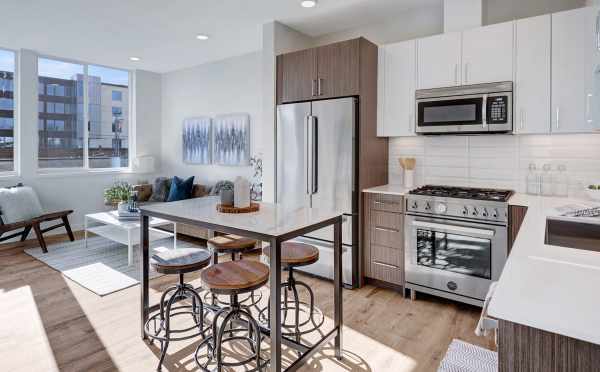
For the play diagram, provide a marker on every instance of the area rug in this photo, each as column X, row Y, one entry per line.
column 102, row 266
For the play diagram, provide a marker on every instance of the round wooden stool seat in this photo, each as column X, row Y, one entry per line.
column 231, row 243
column 234, row 277
column 296, row 254
column 180, row 260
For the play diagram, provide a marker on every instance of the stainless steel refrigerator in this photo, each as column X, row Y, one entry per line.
column 316, row 167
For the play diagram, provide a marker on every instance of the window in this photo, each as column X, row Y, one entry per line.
column 7, row 106
column 64, row 106
column 117, row 95
column 109, row 125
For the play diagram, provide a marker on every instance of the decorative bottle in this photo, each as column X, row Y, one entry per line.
column 561, row 182
column 547, row 180
column 533, row 180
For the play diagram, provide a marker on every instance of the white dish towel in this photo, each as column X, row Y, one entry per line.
column 486, row 324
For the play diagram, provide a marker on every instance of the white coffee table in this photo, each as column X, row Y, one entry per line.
column 126, row 232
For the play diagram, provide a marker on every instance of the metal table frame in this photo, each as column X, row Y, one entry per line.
column 274, row 330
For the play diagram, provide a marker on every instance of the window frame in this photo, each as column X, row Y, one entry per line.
column 86, row 119
column 16, row 172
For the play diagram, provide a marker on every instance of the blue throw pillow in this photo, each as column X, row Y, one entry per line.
column 180, row 189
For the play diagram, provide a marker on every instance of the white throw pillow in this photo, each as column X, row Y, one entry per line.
column 19, row 204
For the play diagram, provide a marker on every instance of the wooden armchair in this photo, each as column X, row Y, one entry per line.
column 35, row 224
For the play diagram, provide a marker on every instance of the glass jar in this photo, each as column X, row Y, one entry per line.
column 547, row 186
column 561, row 181
column 533, row 180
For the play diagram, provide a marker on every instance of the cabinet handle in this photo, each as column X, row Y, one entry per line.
column 558, row 118
column 386, row 229
column 313, row 89
column 456, row 74
column 320, row 87
column 386, row 203
column 522, row 125
column 598, row 31
column 385, row 265
column 587, row 108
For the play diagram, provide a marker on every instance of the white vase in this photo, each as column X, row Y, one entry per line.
column 241, row 193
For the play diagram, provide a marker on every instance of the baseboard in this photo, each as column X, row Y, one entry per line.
column 382, row 284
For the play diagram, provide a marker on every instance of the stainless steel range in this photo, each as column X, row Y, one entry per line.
column 456, row 241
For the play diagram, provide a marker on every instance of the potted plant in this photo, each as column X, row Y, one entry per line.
column 120, row 191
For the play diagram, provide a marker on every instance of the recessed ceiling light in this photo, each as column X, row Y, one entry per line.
column 308, row 3
column 134, row 59
column 202, row 37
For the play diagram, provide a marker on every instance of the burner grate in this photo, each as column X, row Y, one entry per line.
column 463, row 193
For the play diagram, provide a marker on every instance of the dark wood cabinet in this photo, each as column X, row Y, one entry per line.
column 384, row 239
column 516, row 215
column 337, row 69
column 329, row 71
column 297, row 74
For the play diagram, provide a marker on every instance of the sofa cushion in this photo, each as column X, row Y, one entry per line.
column 144, row 192
column 160, row 189
column 19, row 204
column 180, row 189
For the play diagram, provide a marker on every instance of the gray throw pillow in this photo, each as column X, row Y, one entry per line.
column 19, row 204
column 160, row 189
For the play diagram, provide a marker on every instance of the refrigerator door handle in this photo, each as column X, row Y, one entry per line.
column 315, row 154
column 307, row 153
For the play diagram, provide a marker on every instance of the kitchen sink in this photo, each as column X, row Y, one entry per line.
column 573, row 234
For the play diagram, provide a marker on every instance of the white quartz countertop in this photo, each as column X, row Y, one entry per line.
column 388, row 189
column 271, row 220
column 549, row 287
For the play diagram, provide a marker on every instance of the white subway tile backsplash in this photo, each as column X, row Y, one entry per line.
column 500, row 161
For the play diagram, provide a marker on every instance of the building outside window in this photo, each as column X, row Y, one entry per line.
column 117, row 95
column 7, row 105
column 62, row 118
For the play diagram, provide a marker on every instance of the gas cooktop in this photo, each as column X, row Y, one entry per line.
column 463, row 193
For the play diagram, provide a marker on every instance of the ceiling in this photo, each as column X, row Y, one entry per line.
column 162, row 33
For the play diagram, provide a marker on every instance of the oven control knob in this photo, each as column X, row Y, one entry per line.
column 427, row 206
column 495, row 213
column 415, row 205
column 485, row 212
column 465, row 211
column 441, row 208
column 475, row 211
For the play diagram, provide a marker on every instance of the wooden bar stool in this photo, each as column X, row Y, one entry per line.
column 233, row 278
column 236, row 246
column 158, row 327
column 293, row 255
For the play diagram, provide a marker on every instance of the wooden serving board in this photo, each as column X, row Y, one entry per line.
column 254, row 207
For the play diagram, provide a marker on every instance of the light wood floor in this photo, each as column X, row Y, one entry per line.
column 49, row 323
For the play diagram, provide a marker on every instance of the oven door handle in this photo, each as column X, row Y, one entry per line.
column 460, row 229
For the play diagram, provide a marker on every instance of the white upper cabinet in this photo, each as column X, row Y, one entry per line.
column 439, row 61
column 487, row 54
column 532, row 81
column 396, row 103
column 570, row 39
column 592, row 68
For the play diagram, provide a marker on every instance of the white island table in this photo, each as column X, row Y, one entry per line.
column 273, row 223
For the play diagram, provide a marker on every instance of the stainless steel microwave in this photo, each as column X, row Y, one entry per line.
column 480, row 108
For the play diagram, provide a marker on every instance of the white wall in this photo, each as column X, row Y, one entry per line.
column 233, row 85
column 462, row 14
column 407, row 25
column 277, row 39
column 496, row 11
column 496, row 160
column 81, row 192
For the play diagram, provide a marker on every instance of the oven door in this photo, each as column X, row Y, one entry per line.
column 456, row 114
column 454, row 256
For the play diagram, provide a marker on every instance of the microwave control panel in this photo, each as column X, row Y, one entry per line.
column 497, row 110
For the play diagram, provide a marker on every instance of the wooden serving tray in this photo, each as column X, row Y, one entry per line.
column 254, row 207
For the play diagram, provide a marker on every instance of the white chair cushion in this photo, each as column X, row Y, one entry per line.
column 19, row 204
